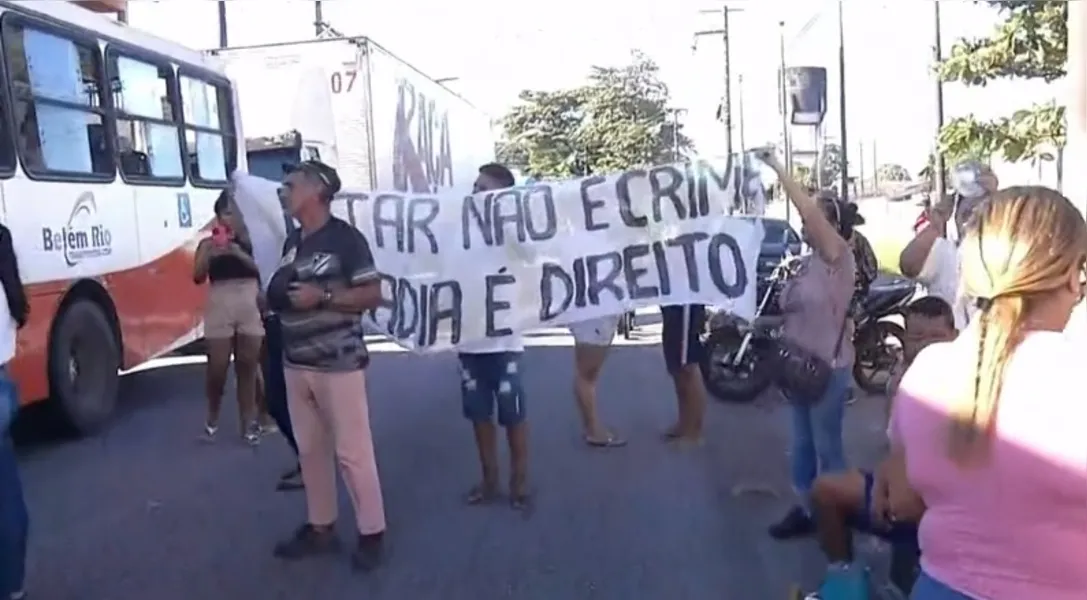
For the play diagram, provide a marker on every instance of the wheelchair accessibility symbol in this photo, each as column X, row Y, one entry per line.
column 184, row 211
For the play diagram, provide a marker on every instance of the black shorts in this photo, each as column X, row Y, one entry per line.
column 681, row 335
column 899, row 533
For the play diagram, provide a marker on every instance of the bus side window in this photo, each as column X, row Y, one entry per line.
column 148, row 135
column 59, row 114
column 210, row 143
column 7, row 142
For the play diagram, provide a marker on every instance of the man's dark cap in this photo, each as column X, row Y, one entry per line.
column 326, row 174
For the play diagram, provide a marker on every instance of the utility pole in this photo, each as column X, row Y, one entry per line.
column 725, row 110
column 783, row 93
column 938, row 167
column 875, row 166
column 318, row 18
column 740, row 107
column 860, row 160
column 222, row 24
column 844, row 192
column 727, row 102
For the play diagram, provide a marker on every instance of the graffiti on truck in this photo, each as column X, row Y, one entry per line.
column 422, row 152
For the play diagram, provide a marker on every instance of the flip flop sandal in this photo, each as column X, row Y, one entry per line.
column 611, row 441
column 523, row 503
column 669, row 435
column 480, row 494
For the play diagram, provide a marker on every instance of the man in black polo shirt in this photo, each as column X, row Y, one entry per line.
column 325, row 281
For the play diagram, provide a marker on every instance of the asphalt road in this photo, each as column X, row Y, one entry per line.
column 144, row 511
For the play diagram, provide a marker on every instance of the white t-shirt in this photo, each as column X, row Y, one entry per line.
column 940, row 276
column 8, row 328
column 510, row 343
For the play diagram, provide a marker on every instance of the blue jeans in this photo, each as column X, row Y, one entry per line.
column 275, row 385
column 14, row 522
column 817, row 433
column 490, row 381
column 928, row 588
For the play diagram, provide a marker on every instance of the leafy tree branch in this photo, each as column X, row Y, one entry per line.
column 617, row 120
column 1030, row 43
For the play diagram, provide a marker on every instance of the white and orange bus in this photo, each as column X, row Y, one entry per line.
column 114, row 145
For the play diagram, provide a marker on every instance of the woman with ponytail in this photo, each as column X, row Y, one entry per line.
column 988, row 430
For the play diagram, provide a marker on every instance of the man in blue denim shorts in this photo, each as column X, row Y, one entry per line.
column 14, row 521
column 490, row 384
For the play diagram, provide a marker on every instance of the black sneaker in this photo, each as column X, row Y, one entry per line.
column 308, row 541
column 796, row 523
column 290, row 480
column 369, row 553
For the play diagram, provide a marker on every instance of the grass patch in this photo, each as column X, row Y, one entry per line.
column 887, row 246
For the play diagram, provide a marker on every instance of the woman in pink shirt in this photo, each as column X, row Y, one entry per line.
column 990, row 427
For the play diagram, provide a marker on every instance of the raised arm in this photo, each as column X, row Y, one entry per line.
column 913, row 257
column 822, row 235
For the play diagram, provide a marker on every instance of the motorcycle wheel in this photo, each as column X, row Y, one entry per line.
column 878, row 347
column 729, row 383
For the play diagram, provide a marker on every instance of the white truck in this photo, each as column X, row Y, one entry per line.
column 381, row 122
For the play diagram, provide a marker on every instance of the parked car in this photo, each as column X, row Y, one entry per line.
column 779, row 241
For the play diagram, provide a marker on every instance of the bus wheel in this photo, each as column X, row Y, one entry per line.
column 84, row 358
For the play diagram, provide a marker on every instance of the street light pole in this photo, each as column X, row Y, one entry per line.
column 844, row 192
column 938, row 167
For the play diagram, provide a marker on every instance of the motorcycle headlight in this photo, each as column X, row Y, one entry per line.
column 723, row 318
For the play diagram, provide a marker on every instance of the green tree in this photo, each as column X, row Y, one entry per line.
column 802, row 174
column 619, row 119
column 1030, row 43
column 830, row 165
column 892, row 172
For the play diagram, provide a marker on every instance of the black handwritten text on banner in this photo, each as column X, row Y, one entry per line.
column 458, row 269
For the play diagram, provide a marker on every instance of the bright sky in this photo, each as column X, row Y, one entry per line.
column 498, row 47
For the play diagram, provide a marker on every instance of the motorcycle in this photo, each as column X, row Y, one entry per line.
column 736, row 368
column 878, row 341
column 627, row 324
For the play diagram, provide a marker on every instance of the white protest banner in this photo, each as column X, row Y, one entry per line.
column 459, row 269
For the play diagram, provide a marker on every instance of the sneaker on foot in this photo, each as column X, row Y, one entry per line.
column 308, row 541
column 209, row 432
column 796, row 523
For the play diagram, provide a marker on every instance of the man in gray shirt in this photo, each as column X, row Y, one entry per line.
column 325, row 281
